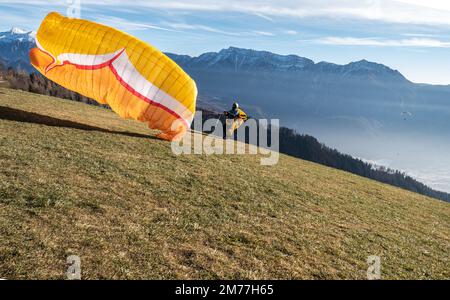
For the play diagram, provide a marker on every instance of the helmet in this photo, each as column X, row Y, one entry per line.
column 235, row 105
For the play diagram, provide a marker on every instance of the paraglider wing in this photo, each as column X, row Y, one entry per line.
column 135, row 79
column 406, row 114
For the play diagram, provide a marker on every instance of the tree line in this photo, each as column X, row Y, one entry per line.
column 36, row 83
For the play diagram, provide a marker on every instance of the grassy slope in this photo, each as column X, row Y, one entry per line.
column 131, row 209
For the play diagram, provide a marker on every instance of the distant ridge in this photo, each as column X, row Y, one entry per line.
column 240, row 59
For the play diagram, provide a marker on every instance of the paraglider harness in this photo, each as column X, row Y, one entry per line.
column 236, row 114
column 226, row 117
column 233, row 120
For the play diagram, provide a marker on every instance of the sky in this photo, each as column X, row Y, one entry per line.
column 412, row 36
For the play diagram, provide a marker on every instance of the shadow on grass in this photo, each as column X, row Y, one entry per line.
column 12, row 114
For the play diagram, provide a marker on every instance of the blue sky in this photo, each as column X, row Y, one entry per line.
column 407, row 35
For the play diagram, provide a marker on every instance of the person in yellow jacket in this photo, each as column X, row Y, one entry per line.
column 235, row 118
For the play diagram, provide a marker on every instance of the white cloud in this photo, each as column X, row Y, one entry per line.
column 412, row 42
column 184, row 26
column 127, row 25
column 434, row 4
column 426, row 35
column 264, row 17
column 263, row 33
column 431, row 12
column 290, row 32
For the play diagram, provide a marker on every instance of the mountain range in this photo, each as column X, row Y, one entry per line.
column 362, row 108
column 247, row 60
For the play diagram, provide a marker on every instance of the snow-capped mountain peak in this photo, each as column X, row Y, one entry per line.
column 17, row 30
column 17, row 34
column 363, row 67
column 246, row 59
column 15, row 46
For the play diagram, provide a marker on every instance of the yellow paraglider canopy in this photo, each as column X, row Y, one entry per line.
column 135, row 79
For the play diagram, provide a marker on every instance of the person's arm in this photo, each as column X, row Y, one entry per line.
column 242, row 115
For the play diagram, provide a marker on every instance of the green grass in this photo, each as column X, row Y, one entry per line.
column 102, row 188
